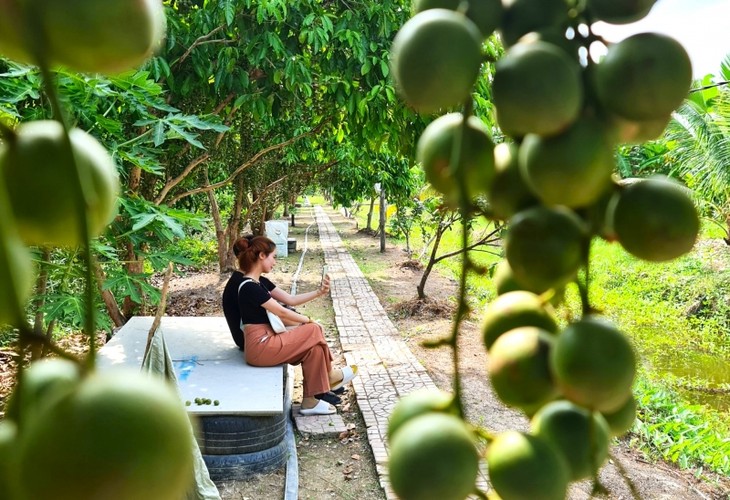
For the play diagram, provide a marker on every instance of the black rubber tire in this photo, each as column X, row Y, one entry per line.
column 245, row 466
column 235, row 435
column 241, row 434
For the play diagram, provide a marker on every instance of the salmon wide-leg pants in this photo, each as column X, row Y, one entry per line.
column 303, row 345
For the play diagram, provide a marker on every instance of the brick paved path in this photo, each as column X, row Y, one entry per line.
column 388, row 369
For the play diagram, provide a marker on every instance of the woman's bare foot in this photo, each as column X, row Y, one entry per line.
column 341, row 376
column 336, row 376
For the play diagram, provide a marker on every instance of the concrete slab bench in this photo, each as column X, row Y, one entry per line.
column 207, row 365
column 246, row 429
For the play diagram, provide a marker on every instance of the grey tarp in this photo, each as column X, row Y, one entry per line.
column 158, row 361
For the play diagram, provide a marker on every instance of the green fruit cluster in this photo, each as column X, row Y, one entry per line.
column 433, row 453
column 69, row 435
column 49, row 176
column 551, row 181
column 118, row 436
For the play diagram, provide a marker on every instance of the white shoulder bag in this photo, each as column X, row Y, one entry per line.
column 276, row 323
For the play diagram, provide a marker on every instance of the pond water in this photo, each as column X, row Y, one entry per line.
column 710, row 372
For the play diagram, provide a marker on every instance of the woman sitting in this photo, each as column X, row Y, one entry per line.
column 303, row 344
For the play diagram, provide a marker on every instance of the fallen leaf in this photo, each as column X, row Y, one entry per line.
column 355, row 456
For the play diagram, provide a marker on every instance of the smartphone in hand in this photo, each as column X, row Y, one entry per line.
column 324, row 273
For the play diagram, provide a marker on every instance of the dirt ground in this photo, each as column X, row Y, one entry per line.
column 342, row 467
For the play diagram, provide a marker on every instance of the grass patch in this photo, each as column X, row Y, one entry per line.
column 669, row 428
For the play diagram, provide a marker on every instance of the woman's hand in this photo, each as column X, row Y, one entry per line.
column 324, row 288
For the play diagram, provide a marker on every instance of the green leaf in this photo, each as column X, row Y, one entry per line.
column 143, row 220
column 189, row 137
column 158, row 134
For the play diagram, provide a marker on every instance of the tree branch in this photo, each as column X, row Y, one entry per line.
column 251, row 162
column 270, row 186
column 171, row 183
column 201, row 40
column 482, row 241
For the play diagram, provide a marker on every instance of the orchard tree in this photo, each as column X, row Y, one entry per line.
column 697, row 144
column 304, row 86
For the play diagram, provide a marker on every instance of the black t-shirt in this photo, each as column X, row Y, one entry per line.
column 252, row 295
column 230, row 307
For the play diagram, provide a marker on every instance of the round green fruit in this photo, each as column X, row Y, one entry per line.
column 619, row 11
column 84, row 35
column 545, row 246
column 433, row 457
column 593, row 364
column 42, row 384
column 579, row 435
column 638, row 131
column 525, row 466
column 119, row 436
column 40, row 177
column 508, row 192
column 571, row 169
column 519, row 368
column 505, row 282
column 643, row 77
column 621, row 420
column 435, row 151
column 655, row 219
column 524, row 16
column 486, row 14
column 513, row 310
column 435, row 59
column 419, row 402
column 537, row 89
column 102, row 37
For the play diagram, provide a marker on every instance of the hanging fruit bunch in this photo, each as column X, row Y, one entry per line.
column 563, row 112
column 70, row 432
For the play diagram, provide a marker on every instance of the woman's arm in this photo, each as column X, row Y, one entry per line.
column 288, row 316
column 300, row 298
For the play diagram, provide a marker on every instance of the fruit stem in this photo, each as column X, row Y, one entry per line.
column 80, row 198
column 39, row 53
column 464, row 209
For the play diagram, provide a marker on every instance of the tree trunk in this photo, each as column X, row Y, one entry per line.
column 233, row 230
column 381, row 225
column 421, row 288
column 135, row 177
column 134, row 265
column 220, row 234
column 41, row 288
column 109, row 301
column 370, row 214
